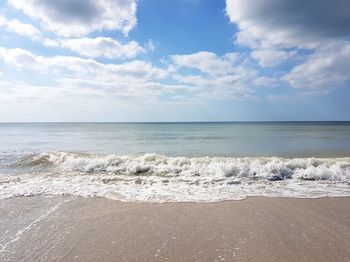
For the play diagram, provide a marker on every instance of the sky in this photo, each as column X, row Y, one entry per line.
column 178, row 60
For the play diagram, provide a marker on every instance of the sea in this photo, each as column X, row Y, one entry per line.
column 175, row 162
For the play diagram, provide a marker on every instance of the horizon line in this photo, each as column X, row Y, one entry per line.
column 170, row 122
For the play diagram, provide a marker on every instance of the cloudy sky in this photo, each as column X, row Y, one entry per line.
column 179, row 60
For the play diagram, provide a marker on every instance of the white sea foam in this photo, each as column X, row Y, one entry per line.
column 159, row 178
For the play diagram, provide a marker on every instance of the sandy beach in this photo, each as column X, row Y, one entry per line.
column 97, row 229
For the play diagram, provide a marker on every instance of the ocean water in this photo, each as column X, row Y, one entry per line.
column 170, row 162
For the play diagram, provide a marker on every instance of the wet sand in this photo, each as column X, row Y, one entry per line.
column 96, row 229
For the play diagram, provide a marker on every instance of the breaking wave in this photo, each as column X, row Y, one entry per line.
column 158, row 178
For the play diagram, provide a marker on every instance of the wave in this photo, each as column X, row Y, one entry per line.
column 153, row 177
column 270, row 168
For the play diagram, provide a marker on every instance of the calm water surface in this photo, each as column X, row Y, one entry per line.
column 286, row 139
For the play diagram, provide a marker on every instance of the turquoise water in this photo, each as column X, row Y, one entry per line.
column 286, row 139
column 173, row 162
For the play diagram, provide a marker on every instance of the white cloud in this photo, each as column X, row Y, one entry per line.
column 16, row 92
column 265, row 81
column 50, row 42
column 74, row 90
column 326, row 69
column 85, row 79
column 70, row 18
column 150, row 45
column 22, row 29
column 130, row 80
column 103, row 46
column 286, row 23
column 218, row 77
column 19, row 58
column 236, row 77
column 206, row 62
column 27, row 30
column 271, row 58
column 23, row 59
column 272, row 27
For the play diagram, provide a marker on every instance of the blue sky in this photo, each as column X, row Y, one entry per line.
column 180, row 60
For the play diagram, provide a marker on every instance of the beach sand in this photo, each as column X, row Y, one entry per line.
column 96, row 229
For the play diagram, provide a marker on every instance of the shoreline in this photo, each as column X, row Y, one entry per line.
column 173, row 202
column 67, row 228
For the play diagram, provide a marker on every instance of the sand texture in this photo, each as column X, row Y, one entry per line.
column 97, row 229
